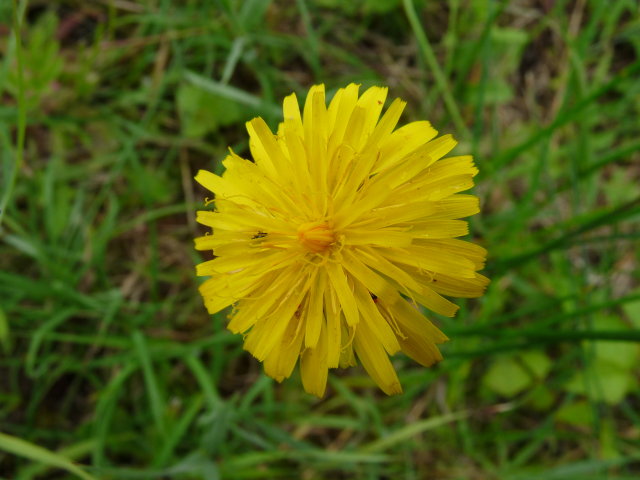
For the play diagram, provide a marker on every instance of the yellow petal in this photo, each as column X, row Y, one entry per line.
column 442, row 188
column 268, row 331
column 407, row 283
column 371, row 280
column 235, row 217
column 375, row 320
column 432, row 229
column 433, row 258
column 291, row 113
column 356, row 174
column 280, row 363
column 440, row 146
column 313, row 367
column 222, row 290
column 420, row 335
column 402, row 142
column 456, row 206
column 402, row 215
column 380, row 237
column 333, row 328
column 354, row 134
column 314, row 310
column 300, row 166
column 235, row 263
column 375, row 259
column 371, row 198
column 471, row 251
column 340, row 163
column 386, row 124
column 347, row 357
column 254, row 188
column 339, row 113
column 375, row 360
column 264, row 148
column 220, row 238
column 428, row 298
column 340, row 285
column 214, row 183
column 460, row 287
column 372, row 100
column 460, row 165
column 269, row 291
column 316, row 132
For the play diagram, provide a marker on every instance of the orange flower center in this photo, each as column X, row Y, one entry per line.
column 315, row 236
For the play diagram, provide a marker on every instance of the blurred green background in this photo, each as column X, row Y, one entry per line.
column 107, row 356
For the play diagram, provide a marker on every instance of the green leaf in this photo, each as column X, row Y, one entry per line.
column 609, row 376
column 578, row 413
column 623, row 355
column 411, row 430
column 509, row 38
column 203, row 112
column 608, row 440
column 620, row 187
column 494, row 93
column 632, row 311
column 511, row 376
column 380, row 6
column 606, row 383
column 4, row 332
column 537, row 363
column 42, row 62
column 614, row 383
column 507, row 378
column 541, row 397
column 28, row 450
column 153, row 184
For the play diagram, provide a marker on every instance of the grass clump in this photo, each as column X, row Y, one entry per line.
column 108, row 358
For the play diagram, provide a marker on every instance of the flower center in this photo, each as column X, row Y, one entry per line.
column 315, row 236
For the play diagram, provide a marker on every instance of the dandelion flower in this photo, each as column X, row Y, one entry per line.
column 329, row 239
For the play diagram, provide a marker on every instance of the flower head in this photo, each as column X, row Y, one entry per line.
column 329, row 239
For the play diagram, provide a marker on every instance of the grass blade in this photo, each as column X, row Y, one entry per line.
column 28, row 450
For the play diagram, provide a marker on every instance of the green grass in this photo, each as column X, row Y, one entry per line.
column 110, row 367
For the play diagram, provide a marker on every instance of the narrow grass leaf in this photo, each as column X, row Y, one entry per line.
column 413, row 429
column 4, row 332
column 232, row 93
column 22, row 448
column 156, row 400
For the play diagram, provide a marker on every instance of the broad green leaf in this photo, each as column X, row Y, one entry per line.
column 632, row 311
column 614, row 383
column 153, row 185
column 203, row 112
column 621, row 354
column 620, row 187
column 605, row 382
column 541, row 397
column 578, row 413
column 537, row 362
column 507, row 378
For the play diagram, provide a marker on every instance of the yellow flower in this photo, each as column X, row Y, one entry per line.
column 329, row 239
